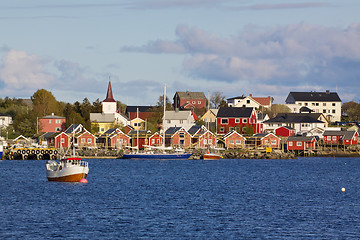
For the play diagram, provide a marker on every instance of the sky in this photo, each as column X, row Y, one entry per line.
column 73, row 48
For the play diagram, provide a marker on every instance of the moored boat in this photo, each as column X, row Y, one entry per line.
column 67, row 170
column 211, row 156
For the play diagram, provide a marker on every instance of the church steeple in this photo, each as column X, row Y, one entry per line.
column 109, row 94
column 109, row 104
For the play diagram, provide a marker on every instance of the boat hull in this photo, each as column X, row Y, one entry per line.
column 68, row 170
column 157, row 156
column 68, row 178
column 211, row 156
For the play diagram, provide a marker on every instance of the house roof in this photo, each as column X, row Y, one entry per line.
column 73, row 127
column 239, row 97
column 194, row 129
column 109, row 94
column 231, row 133
column 345, row 134
column 49, row 135
column 242, row 112
column 102, row 117
column 315, row 96
column 172, row 130
column 141, row 108
column 301, row 138
column 191, row 95
column 177, row 115
column 263, row 100
column 52, row 117
column 286, row 127
column 295, row 118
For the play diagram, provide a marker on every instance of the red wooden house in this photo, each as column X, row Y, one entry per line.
column 189, row 100
column 83, row 138
column 341, row 137
column 62, row 140
column 298, row 143
column 177, row 137
column 155, row 140
column 143, row 112
column 52, row 123
column 240, row 119
column 201, row 137
column 234, row 139
column 114, row 138
column 285, row 131
column 268, row 140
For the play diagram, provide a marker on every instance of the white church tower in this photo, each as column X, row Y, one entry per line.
column 109, row 104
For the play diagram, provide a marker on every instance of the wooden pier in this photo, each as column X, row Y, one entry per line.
column 32, row 153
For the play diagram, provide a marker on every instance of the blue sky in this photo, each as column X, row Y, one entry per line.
column 264, row 48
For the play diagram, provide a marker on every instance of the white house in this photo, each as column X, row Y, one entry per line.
column 5, row 120
column 250, row 101
column 328, row 103
column 183, row 119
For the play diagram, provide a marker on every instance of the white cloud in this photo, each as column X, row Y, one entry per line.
column 21, row 71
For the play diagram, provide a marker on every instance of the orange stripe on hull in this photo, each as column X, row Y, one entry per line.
column 210, row 157
column 70, row 178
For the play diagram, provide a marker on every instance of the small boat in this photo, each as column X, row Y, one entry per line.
column 67, row 170
column 211, row 156
column 1, row 150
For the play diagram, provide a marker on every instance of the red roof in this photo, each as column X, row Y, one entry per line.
column 109, row 94
column 263, row 100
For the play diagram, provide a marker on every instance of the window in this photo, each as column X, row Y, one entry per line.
column 193, row 102
column 247, row 101
column 222, row 129
column 231, row 141
column 205, row 142
column 334, row 138
column 181, row 121
column 299, row 144
column 62, row 140
column 317, row 104
column 333, row 111
column 329, row 138
column 238, row 142
column 273, row 142
column 244, row 120
column 168, row 121
column 324, row 111
column 58, row 129
column 199, row 102
column 224, row 121
column 231, row 129
column 290, row 144
column 333, row 104
column 306, row 104
column 102, row 129
column 324, row 104
column 153, row 141
column 49, row 120
column 89, row 140
column 58, row 121
column 83, row 140
column 237, row 120
column 181, row 135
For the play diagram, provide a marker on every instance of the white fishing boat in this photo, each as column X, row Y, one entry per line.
column 71, row 169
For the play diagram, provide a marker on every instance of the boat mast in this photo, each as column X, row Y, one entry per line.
column 137, row 130
column 164, row 119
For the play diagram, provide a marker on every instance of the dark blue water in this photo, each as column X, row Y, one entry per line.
column 225, row 199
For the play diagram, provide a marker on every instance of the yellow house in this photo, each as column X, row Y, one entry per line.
column 137, row 123
column 210, row 116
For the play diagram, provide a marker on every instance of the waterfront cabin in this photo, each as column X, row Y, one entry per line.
column 234, row 139
column 177, row 137
column 285, row 131
column 341, row 138
column 297, row 143
column 201, row 137
column 268, row 140
column 114, row 138
column 155, row 140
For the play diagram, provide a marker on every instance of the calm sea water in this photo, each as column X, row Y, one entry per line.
column 194, row 199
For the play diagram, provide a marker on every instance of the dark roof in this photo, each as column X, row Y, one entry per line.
column 141, row 108
column 190, row 95
column 53, row 117
column 109, row 94
column 295, row 118
column 305, row 109
column 241, row 112
column 194, row 129
column 301, row 138
column 49, row 135
column 314, row 96
column 239, row 97
column 345, row 134
column 172, row 130
column 72, row 128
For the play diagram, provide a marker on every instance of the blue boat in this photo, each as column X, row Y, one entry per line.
column 161, row 156
column 1, row 150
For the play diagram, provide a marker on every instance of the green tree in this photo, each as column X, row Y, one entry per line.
column 44, row 103
column 276, row 109
column 217, row 100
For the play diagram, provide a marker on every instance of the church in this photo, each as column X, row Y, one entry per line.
column 109, row 117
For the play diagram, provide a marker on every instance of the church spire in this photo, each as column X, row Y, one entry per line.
column 109, row 94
